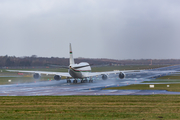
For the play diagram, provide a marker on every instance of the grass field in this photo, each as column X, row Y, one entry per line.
column 169, row 77
column 173, row 87
column 164, row 81
column 91, row 107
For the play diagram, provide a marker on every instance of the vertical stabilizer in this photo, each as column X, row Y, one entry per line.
column 71, row 59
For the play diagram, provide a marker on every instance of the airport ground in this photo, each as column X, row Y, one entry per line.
column 143, row 107
column 173, row 80
column 91, row 107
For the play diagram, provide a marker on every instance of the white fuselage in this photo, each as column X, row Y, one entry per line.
column 79, row 70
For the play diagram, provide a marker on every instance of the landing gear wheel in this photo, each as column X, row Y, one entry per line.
column 83, row 81
column 74, row 81
column 68, row 81
column 90, row 81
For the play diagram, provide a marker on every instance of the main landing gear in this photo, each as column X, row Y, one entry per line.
column 68, row 80
column 82, row 81
column 90, row 81
column 75, row 81
column 85, row 81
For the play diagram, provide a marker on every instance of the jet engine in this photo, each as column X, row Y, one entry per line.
column 36, row 76
column 104, row 77
column 57, row 77
column 121, row 75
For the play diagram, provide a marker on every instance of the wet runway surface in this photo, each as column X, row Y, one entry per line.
column 62, row 88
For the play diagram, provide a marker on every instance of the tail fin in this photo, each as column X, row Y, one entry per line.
column 71, row 59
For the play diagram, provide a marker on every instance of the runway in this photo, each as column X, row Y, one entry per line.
column 61, row 88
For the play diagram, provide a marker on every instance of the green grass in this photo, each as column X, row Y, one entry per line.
column 173, row 87
column 170, row 77
column 170, row 81
column 90, row 107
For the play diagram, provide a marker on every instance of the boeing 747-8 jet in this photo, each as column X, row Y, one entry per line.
column 80, row 71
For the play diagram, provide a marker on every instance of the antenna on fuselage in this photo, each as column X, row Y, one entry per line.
column 71, row 59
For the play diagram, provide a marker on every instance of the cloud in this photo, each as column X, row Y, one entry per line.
column 119, row 29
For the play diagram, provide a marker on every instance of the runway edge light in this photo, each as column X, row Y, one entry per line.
column 151, row 86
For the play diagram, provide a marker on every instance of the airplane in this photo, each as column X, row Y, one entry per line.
column 80, row 71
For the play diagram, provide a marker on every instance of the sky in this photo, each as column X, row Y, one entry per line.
column 114, row 29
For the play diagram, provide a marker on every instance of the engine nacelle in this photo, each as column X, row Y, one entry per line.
column 122, row 75
column 57, row 77
column 36, row 76
column 104, row 77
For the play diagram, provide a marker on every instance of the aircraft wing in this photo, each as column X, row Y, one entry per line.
column 91, row 74
column 131, row 72
column 66, row 74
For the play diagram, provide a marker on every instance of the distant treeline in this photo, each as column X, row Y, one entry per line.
column 12, row 61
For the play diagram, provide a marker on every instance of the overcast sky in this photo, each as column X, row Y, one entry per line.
column 117, row 29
